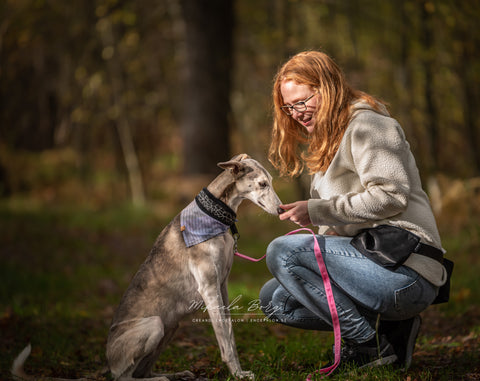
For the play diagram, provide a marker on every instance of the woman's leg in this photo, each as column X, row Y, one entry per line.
column 361, row 288
column 280, row 306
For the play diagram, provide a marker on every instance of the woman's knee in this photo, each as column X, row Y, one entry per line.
column 277, row 252
column 266, row 293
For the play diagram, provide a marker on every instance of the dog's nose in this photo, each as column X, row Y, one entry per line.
column 280, row 210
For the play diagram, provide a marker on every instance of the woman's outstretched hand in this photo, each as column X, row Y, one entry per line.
column 297, row 212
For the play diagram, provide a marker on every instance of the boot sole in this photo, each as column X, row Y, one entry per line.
column 380, row 362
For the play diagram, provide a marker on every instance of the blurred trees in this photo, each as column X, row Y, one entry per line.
column 105, row 78
column 205, row 104
column 97, row 76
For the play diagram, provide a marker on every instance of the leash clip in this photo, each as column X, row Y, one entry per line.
column 236, row 237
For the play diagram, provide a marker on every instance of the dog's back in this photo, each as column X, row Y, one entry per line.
column 164, row 269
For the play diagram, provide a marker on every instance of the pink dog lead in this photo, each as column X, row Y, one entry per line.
column 330, row 299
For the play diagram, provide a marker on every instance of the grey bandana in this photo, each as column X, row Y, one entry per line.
column 205, row 218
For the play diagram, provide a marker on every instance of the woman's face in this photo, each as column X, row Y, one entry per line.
column 296, row 95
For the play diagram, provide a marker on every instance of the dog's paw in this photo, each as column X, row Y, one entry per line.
column 178, row 376
column 245, row 375
column 185, row 375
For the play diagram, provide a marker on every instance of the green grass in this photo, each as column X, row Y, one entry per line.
column 64, row 269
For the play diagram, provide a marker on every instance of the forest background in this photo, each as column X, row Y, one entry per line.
column 106, row 104
column 120, row 93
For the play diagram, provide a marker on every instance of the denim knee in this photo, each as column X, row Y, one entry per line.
column 276, row 251
column 266, row 294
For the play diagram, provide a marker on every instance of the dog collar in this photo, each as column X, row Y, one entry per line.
column 215, row 208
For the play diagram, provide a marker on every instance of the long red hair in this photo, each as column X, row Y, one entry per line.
column 333, row 113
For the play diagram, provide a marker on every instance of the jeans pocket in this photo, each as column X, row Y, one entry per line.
column 414, row 298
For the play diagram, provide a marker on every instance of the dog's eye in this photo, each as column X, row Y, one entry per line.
column 263, row 184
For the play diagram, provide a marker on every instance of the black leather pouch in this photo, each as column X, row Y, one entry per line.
column 386, row 245
column 390, row 246
column 444, row 291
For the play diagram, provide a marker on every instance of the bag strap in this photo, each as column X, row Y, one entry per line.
column 429, row 251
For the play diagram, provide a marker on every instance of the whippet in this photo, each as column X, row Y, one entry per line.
column 186, row 266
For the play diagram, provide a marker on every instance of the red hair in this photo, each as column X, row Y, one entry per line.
column 332, row 115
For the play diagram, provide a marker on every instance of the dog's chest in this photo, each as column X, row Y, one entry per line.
column 218, row 252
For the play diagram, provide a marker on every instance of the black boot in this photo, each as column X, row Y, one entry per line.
column 367, row 354
column 402, row 335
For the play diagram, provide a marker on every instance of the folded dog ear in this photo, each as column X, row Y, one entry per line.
column 233, row 165
column 240, row 157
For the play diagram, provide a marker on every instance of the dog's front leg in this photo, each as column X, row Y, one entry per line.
column 227, row 314
column 222, row 325
column 231, row 338
column 211, row 291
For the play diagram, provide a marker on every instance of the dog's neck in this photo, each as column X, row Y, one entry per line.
column 215, row 208
column 223, row 188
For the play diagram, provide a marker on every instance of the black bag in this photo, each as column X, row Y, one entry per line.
column 444, row 291
column 386, row 245
column 390, row 246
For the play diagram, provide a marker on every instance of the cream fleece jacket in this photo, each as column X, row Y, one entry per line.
column 372, row 180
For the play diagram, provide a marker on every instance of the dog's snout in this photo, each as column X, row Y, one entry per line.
column 280, row 210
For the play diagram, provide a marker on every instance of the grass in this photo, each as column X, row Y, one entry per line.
column 64, row 269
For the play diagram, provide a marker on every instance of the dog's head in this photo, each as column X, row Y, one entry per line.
column 253, row 182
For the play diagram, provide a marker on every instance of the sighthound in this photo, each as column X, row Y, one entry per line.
column 186, row 265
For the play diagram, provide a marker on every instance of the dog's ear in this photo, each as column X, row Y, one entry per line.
column 240, row 157
column 234, row 166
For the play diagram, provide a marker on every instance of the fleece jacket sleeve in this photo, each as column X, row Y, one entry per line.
column 376, row 149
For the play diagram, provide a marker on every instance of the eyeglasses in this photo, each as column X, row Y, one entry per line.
column 299, row 106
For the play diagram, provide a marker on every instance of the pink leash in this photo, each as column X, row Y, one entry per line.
column 328, row 290
column 249, row 258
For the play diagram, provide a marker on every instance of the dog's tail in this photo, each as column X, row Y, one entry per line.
column 17, row 367
column 19, row 374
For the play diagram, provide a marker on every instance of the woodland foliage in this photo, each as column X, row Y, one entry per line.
column 102, row 82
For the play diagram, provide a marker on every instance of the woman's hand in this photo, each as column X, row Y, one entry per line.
column 296, row 212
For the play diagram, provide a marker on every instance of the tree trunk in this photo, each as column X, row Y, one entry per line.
column 121, row 122
column 428, row 67
column 205, row 108
column 470, row 96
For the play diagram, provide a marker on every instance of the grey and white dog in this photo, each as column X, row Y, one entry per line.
column 186, row 266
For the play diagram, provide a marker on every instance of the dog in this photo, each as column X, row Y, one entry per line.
column 188, row 265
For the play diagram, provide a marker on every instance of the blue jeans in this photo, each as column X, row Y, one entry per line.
column 361, row 288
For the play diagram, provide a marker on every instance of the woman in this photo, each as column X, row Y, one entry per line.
column 364, row 176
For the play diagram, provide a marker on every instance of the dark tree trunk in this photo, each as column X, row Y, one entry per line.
column 429, row 92
column 470, row 95
column 205, row 106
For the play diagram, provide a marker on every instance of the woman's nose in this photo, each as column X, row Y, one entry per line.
column 296, row 114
